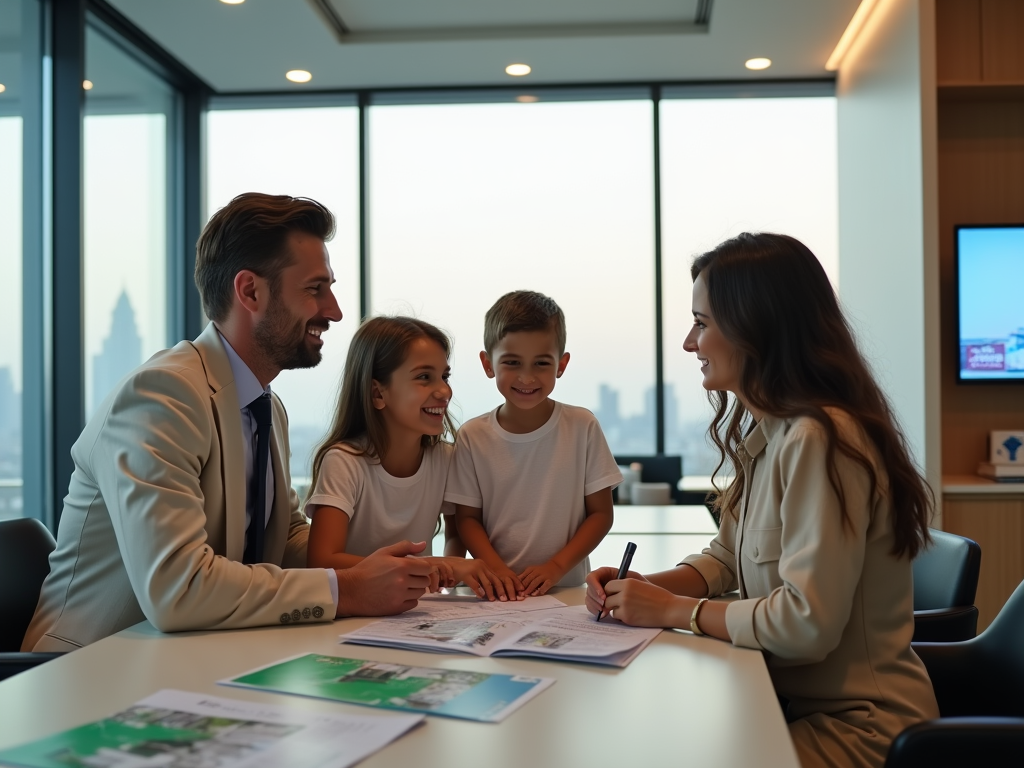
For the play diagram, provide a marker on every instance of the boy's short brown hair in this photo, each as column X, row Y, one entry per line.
column 523, row 311
column 251, row 232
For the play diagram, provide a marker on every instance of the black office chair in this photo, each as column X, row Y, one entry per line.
column 658, row 469
column 978, row 684
column 25, row 547
column 945, row 584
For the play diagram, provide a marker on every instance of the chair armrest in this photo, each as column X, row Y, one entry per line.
column 959, row 741
column 946, row 625
column 13, row 663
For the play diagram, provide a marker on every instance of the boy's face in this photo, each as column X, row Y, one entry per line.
column 525, row 365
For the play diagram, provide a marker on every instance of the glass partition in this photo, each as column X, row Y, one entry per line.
column 128, row 170
column 730, row 166
column 11, row 186
column 469, row 201
column 303, row 152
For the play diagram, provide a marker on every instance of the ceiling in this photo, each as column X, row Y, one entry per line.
column 348, row 44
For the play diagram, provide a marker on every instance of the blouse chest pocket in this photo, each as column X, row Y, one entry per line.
column 763, row 545
column 762, row 550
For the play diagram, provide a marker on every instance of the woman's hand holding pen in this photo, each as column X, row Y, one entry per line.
column 642, row 604
column 596, row 581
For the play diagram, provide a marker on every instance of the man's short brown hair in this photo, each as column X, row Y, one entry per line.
column 251, row 232
column 523, row 311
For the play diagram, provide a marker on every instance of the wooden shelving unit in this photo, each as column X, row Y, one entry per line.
column 980, row 72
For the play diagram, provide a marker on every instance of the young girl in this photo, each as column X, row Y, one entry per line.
column 379, row 475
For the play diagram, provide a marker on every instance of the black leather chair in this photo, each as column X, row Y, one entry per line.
column 25, row 547
column 979, row 685
column 945, row 584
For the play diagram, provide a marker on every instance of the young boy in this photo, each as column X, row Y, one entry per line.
column 531, row 480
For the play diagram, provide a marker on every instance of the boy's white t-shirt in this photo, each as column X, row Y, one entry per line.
column 383, row 509
column 531, row 487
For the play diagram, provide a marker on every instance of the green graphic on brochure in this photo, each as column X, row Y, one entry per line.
column 144, row 735
column 449, row 692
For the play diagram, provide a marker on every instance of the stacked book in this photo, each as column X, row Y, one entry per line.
column 1006, row 457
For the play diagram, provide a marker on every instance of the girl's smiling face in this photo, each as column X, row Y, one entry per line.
column 415, row 400
column 720, row 360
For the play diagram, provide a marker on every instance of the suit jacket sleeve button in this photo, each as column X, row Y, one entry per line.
column 306, row 613
column 296, row 615
column 318, row 612
column 285, row 618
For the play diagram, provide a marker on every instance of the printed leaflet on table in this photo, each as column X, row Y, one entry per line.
column 175, row 729
column 435, row 691
column 566, row 634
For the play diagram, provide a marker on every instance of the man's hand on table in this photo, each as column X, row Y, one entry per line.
column 384, row 583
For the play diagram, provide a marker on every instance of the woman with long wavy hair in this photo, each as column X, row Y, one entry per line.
column 821, row 520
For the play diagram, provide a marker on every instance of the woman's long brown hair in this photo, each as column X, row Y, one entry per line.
column 378, row 348
column 773, row 301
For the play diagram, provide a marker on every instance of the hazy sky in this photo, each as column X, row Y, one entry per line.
column 467, row 202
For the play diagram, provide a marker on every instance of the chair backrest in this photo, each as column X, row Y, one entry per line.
column 946, row 573
column 658, row 469
column 983, row 676
column 25, row 547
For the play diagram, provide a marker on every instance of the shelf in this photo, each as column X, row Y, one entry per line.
column 973, row 485
column 981, row 91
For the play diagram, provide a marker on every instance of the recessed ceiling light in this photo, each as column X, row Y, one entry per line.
column 527, row 98
column 2, row 87
column 232, row 2
column 87, row 85
column 298, row 76
column 517, row 70
column 758, row 63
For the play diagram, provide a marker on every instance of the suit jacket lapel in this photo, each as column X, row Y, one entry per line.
column 227, row 414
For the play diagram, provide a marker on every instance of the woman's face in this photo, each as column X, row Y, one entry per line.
column 720, row 361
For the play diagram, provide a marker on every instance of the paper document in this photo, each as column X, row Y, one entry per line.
column 435, row 691
column 470, row 606
column 176, row 729
column 569, row 634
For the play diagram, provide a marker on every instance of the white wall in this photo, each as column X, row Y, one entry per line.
column 888, row 213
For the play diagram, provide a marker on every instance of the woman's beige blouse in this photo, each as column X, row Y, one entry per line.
column 830, row 605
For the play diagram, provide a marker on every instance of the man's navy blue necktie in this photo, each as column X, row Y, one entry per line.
column 259, row 409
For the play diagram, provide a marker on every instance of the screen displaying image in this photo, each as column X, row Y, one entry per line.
column 990, row 280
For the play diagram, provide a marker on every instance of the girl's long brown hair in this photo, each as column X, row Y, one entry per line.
column 378, row 348
column 772, row 299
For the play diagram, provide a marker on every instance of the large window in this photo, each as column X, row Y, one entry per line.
column 127, row 169
column 11, row 105
column 469, row 201
column 471, row 196
column 730, row 166
column 310, row 152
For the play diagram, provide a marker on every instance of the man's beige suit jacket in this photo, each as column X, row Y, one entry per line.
column 153, row 525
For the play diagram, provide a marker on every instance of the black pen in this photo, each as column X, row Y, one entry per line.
column 627, row 558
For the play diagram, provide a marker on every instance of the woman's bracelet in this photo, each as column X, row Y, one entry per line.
column 693, row 617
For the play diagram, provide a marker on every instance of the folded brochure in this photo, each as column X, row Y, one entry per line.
column 431, row 690
column 566, row 634
column 177, row 729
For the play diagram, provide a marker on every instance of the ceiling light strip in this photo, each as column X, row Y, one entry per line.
column 331, row 17
column 853, row 29
column 703, row 15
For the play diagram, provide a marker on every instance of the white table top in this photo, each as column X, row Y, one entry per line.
column 684, row 700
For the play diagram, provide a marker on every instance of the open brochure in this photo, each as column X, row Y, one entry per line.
column 175, row 729
column 435, row 691
column 567, row 634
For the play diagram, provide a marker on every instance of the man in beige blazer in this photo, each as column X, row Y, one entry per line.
column 155, row 521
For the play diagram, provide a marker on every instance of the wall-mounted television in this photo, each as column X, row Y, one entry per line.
column 990, row 302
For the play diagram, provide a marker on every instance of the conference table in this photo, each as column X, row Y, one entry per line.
column 685, row 700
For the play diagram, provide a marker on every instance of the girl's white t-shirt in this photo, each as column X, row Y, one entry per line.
column 382, row 509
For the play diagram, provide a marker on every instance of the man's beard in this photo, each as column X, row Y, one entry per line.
column 283, row 341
